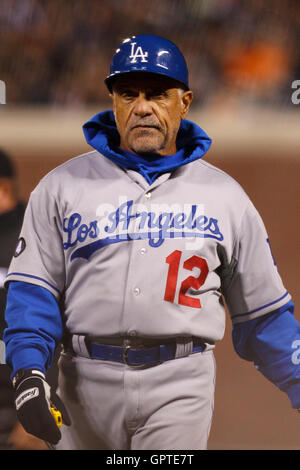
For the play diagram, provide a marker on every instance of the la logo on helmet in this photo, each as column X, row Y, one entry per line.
column 137, row 53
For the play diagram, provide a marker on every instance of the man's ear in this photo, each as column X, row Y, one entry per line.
column 186, row 100
column 112, row 97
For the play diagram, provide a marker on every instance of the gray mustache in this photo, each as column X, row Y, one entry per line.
column 145, row 124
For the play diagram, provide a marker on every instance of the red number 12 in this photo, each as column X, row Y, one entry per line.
column 195, row 282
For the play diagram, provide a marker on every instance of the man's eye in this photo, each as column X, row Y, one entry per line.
column 159, row 94
column 128, row 94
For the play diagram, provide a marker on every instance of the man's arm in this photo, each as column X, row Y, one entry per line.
column 34, row 327
column 272, row 342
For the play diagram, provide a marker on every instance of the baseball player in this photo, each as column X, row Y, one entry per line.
column 125, row 256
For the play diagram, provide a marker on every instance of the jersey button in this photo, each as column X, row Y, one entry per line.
column 147, row 195
column 143, row 251
column 132, row 333
column 137, row 291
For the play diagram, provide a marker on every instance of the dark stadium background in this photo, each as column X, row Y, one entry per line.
column 243, row 57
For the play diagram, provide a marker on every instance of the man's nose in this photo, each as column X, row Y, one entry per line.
column 142, row 105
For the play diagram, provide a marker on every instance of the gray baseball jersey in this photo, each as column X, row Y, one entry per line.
column 149, row 260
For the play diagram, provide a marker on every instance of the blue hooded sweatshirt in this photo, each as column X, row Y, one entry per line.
column 102, row 134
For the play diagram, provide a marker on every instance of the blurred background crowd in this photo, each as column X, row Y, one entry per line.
column 57, row 53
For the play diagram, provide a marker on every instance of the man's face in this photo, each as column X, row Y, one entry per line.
column 148, row 110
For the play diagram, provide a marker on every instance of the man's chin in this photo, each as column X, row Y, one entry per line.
column 146, row 141
column 146, row 148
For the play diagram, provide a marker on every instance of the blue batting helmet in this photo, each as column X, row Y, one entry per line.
column 148, row 53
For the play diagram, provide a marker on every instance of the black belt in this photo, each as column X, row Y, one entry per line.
column 135, row 356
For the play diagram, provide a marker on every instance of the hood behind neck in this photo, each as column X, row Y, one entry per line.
column 101, row 133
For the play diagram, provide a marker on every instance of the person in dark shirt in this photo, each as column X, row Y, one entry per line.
column 12, row 434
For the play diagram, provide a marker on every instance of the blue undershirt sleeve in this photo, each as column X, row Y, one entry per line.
column 34, row 326
column 272, row 342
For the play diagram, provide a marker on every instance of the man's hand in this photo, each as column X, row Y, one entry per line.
column 34, row 399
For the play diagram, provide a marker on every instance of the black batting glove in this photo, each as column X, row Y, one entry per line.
column 34, row 400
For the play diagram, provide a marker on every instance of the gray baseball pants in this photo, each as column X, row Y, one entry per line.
column 116, row 407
